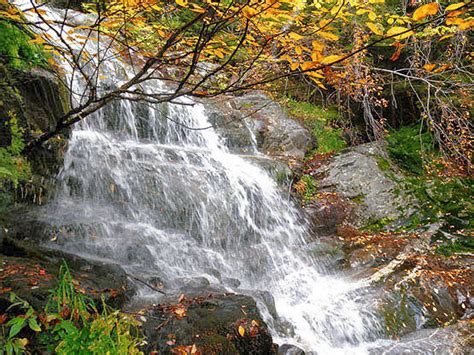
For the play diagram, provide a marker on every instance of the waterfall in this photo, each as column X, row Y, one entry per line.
column 139, row 188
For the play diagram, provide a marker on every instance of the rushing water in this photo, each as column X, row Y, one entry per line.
column 166, row 201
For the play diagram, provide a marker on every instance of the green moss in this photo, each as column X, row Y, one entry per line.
column 375, row 225
column 359, row 199
column 449, row 199
column 16, row 50
column 409, row 147
column 383, row 164
column 321, row 123
column 464, row 244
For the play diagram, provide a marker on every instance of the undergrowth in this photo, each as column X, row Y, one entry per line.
column 442, row 193
column 71, row 323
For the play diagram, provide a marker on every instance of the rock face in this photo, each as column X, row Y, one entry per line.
column 353, row 189
column 274, row 132
column 214, row 324
column 37, row 99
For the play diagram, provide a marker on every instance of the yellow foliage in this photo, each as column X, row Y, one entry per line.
column 375, row 28
column 425, row 11
column 400, row 33
column 331, row 59
column 455, row 6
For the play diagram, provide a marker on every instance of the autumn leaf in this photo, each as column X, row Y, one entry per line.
column 249, row 12
column 397, row 52
column 294, row 65
column 308, row 65
column 329, row 36
column 183, row 3
column 3, row 318
column 180, row 312
column 455, row 6
column 241, row 331
column 375, row 28
column 315, row 74
column 295, row 36
column 331, row 59
column 425, row 11
column 400, row 33
column 429, row 67
column 318, row 46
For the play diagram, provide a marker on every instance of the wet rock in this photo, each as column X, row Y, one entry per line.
column 428, row 291
column 455, row 339
column 328, row 211
column 209, row 322
column 232, row 126
column 268, row 302
column 288, row 349
column 234, row 283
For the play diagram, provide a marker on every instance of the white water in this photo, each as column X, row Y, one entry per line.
column 175, row 203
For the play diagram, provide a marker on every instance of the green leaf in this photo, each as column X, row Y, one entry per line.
column 33, row 324
column 5, row 172
column 9, row 348
column 17, row 324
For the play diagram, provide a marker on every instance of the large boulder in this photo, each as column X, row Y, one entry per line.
column 356, row 188
column 212, row 324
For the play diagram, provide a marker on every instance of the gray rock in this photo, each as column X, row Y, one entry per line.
column 288, row 349
column 355, row 175
column 277, row 134
column 254, row 120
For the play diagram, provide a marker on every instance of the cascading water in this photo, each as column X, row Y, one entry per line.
column 167, row 201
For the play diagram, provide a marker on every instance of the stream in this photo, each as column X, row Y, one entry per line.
column 167, row 202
